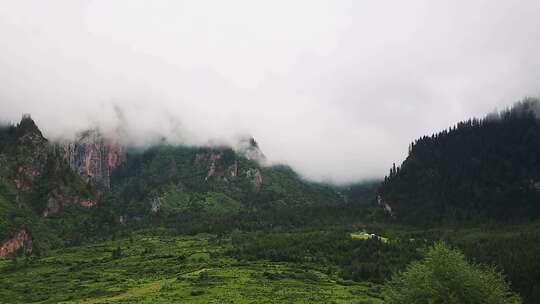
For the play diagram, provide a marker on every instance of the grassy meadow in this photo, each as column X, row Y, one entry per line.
column 150, row 267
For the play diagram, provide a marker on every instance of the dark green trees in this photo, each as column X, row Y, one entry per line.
column 477, row 170
column 445, row 277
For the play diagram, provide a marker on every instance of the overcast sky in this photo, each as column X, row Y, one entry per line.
column 336, row 89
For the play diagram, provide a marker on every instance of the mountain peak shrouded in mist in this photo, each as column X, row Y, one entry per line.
column 27, row 125
column 356, row 81
column 94, row 155
column 248, row 147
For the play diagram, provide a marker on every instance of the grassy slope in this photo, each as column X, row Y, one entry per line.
column 152, row 270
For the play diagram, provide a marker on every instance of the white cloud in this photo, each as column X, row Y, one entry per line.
column 337, row 89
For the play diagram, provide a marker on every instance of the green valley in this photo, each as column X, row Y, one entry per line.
column 157, row 266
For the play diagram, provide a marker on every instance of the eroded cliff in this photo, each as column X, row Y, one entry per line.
column 93, row 157
column 21, row 242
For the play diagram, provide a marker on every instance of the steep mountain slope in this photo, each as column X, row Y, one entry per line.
column 168, row 180
column 56, row 194
column 41, row 178
column 479, row 169
column 35, row 184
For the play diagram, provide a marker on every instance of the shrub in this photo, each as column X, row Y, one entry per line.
column 445, row 276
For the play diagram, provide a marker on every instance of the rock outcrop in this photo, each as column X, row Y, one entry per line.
column 211, row 159
column 20, row 242
column 93, row 157
column 227, row 164
column 156, row 204
column 255, row 176
column 250, row 150
column 233, row 169
column 384, row 205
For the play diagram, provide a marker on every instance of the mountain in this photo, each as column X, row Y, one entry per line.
column 205, row 183
column 36, row 185
column 54, row 194
column 479, row 169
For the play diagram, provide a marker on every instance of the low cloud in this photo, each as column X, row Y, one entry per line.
column 336, row 89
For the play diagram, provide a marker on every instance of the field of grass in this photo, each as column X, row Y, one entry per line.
column 151, row 268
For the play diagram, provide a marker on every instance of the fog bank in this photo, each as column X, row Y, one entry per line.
column 336, row 89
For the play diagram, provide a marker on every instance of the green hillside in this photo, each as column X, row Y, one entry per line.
column 39, row 193
column 172, row 183
column 480, row 169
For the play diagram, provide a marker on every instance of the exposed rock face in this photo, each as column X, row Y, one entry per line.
column 385, row 205
column 226, row 164
column 211, row 171
column 255, row 176
column 211, row 158
column 53, row 205
column 233, row 169
column 156, row 204
column 250, row 150
column 88, row 203
column 61, row 197
column 21, row 241
column 93, row 157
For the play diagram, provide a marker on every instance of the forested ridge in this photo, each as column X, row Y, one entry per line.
column 476, row 170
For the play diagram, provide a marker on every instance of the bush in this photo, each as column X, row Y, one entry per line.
column 444, row 276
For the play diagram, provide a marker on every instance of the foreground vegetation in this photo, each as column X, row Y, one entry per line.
column 302, row 266
column 152, row 267
column 445, row 276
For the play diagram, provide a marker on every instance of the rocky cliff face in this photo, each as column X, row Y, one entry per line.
column 249, row 149
column 20, row 242
column 63, row 196
column 93, row 157
column 255, row 176
column 224, row 164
